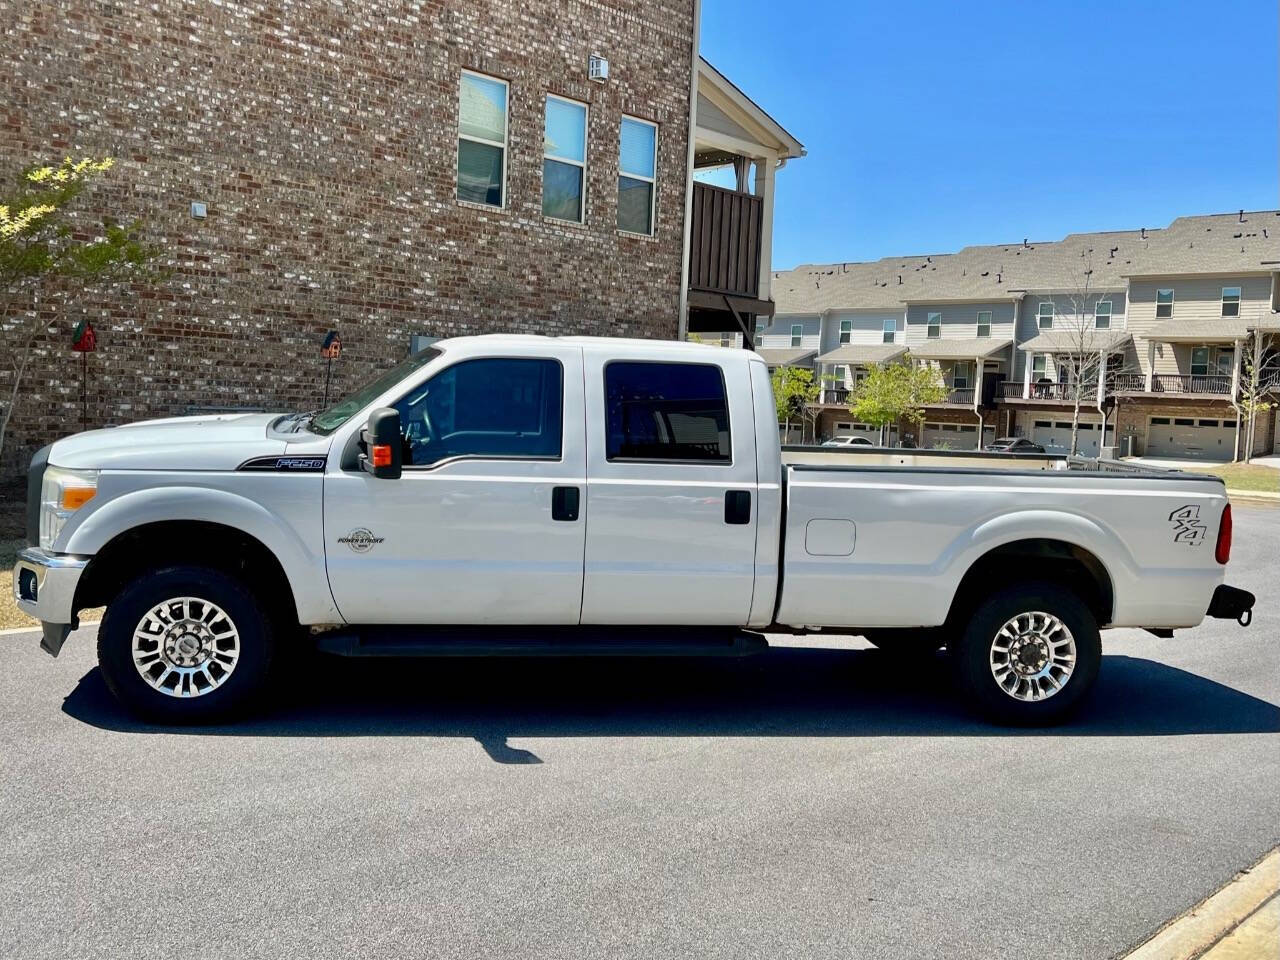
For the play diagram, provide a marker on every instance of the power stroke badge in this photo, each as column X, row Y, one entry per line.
column 1187, row 527
column 361, row 540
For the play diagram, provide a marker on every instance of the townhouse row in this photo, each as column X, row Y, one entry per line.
column 1158, row 326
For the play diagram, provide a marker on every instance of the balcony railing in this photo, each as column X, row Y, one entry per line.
column 725, row 241
column 1128, row 383
column 960, row 395
column 1190, row 383
column 836, row 397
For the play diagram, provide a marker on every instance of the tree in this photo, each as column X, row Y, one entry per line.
column 43, row 252
column 1087, row 351
column 897, row 392
column 1257, row 381
column 794, row 389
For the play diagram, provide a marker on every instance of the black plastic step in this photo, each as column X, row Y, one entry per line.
column 502, row 641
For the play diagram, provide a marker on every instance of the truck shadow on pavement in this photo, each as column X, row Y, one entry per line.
column 785, row 692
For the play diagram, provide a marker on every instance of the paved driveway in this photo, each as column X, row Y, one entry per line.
column 812, row 802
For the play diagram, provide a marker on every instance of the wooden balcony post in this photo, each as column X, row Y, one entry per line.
column 1151, row 364
column 1026, row 376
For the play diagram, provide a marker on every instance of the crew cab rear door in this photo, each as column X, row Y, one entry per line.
column 671, row 488
column 485, row 524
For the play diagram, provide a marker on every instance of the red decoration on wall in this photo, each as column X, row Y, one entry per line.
column 83, row 339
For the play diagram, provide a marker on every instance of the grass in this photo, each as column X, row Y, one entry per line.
column 1245, row 476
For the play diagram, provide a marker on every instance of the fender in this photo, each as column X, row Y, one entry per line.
column 303, row 567
column 1072, row 528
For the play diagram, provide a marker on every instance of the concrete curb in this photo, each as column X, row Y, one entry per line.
column 1196, row 931
column 1253, row 495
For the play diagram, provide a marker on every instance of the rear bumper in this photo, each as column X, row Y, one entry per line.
column 44, row 587
column 1231, row 603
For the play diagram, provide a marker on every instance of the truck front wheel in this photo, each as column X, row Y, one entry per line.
column 185, row 645
column 1029, row 655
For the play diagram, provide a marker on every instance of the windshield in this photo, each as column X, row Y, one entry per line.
column 330, row 420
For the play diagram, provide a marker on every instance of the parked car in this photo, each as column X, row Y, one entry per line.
column 517, row 495
column 1013, row 445
column 850, row 441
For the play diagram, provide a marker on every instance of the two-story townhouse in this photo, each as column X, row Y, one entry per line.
column 1148, row 328
column 383, row 171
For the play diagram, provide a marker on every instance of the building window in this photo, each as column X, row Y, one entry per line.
column 797, row 330
column 1226, row 361
column 482, row 139
column 564, row 159
column 846, row 331
column 1044, row 315
column 1200, row 362
column 1102, row 315
column 960, row 376
column 666, row 411
column 1231, row 301
column 1164, row 304
column 984, row 323
column 637, row 175
column 934, row 328
column 760, row 327
column 890, row 328
column 1038, row 366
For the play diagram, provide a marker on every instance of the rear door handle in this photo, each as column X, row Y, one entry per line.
column 564, row 503
column 737, row 506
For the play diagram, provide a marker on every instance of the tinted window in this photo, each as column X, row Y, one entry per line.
column 494, row 407
column 666, row 411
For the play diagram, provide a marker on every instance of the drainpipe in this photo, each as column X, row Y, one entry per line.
column 683, row 326
column 1235, row 394
column 1102, row 393
column 978, row 370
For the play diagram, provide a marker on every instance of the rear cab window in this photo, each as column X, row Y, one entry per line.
column 664, row 412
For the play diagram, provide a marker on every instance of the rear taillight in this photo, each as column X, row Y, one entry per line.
column 1223, row 553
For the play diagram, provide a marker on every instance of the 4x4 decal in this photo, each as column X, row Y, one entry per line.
column 1187, row 527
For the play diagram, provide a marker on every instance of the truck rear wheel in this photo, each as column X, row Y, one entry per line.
column 185, row 645
column 1029, row 655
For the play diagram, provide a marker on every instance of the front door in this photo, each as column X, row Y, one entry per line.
column 481, row 527
column 671, row 491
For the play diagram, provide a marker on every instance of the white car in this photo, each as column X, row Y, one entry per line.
column 517, row 495
column 849, row 441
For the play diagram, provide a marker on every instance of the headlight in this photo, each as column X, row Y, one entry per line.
column 62, row 493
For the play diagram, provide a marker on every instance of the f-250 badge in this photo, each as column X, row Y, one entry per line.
column 1187, row 527
column 361, row 540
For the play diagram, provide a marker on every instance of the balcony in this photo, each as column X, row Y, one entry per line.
column 1214, row 383
column 725, row 242
column 1128, row 383
column 835, row 397
column 960, row 397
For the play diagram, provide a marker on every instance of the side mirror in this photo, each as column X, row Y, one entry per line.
column 383, row 446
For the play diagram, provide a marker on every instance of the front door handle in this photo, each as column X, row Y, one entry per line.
column 737, row 506
column 564, row 503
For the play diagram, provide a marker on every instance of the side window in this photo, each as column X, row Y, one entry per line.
column 482, row 139
column 666, row 411
column 501, row 407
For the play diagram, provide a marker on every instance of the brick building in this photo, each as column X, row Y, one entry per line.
column 325, row 142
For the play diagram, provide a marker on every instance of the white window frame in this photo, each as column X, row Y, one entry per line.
column 1097, row 315
column 889, row 331
column 652, row 181
column 955, row 368
column 586, row 137
column 981, row 324
column 797, row 334
column 1041, row 316
column 1043, row 360
column 1169, row 291
column 1235, row 302
column 506, row 137
column 1218, row 354
column 930, row 324
column 846, row 330
column 1208, row 361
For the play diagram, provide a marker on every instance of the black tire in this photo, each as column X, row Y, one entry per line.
column 234, row 693
column 923, row 642
column 973, row 651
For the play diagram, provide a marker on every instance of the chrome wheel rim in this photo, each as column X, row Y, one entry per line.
column 186, row 647
column 1033, row 656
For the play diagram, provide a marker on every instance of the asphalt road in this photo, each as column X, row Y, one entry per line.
column 811, row 802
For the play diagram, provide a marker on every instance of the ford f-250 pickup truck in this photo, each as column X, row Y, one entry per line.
column 532, row 495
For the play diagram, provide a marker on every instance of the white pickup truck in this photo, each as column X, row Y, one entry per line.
column 531, row 495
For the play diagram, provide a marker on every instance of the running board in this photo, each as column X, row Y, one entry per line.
column 505, row 641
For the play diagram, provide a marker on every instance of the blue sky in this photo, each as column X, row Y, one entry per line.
column 933, row 125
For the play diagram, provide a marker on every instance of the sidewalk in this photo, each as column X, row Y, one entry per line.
column 1239, row 922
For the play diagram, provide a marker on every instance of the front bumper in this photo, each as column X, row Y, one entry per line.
column 44, row 587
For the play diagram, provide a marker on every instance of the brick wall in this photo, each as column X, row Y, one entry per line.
column 322, row 136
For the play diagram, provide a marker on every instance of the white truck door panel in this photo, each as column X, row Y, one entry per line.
column 468, row 537
column 672, row 498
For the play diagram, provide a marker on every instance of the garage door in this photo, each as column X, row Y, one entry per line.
column 1055, row 436
column 1193, row 437
column 949, row 436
